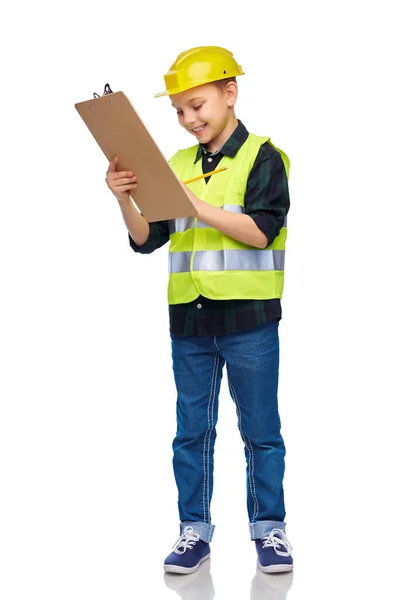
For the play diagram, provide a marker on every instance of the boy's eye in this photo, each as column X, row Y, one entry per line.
column 180, row 112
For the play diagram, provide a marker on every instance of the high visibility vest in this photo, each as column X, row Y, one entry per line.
column 204, row 261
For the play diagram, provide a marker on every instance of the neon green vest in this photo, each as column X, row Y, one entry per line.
column 204, row 261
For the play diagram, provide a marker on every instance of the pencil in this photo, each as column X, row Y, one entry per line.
column 205, row 175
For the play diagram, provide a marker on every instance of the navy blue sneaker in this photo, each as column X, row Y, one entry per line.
column 188, row 553
column 274, row 552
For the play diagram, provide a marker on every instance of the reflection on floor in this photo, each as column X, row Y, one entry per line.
column 196, row 586
column 270, row 587
column 200, row 586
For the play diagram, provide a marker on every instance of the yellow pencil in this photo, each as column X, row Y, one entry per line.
column 205, row 175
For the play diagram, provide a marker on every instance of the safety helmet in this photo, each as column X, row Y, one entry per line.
column 198, row 66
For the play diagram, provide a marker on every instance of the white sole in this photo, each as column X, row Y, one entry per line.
column 276, row 568
column 184, row 570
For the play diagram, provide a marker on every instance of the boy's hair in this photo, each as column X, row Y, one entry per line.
column 221, row 83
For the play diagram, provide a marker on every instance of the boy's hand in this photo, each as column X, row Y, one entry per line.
column 199, row 204
column 120, row 182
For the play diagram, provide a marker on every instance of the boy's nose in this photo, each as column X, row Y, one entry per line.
column 189, row 120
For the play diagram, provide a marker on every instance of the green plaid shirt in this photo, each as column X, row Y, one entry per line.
column 267, row 202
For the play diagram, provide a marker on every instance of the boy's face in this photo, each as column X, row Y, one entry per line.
column 204, row 111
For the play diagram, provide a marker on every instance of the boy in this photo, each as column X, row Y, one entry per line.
column 225, row 285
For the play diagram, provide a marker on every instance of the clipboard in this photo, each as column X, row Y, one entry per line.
column 119, row 131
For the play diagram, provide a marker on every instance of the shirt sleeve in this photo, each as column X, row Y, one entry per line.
column 267, row 199
column 159, row 232
column 158, row 236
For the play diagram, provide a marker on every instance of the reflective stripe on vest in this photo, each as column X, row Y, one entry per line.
column 181, row 225
column 227, row 260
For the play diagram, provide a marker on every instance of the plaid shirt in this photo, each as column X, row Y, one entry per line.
column 267, row 202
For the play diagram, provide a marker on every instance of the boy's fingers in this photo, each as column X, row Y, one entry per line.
column 112, row 165
column 114, row 175
column 125, row 180
column 126, row 188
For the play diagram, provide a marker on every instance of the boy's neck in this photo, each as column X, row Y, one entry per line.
column 219, row 141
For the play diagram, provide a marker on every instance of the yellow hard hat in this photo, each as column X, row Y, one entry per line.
column 198, row 66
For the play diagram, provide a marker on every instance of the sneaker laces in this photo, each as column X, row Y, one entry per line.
column 186, row 541
column 275, row 539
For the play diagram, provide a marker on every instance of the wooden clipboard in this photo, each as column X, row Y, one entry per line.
column 119, row 131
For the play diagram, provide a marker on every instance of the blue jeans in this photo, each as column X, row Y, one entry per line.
column 252, row 366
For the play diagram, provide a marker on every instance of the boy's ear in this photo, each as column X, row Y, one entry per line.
column 231, row 92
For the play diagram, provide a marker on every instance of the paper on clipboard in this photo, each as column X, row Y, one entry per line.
column 119, row 131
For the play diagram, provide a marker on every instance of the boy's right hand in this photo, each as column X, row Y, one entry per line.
column 120, row 182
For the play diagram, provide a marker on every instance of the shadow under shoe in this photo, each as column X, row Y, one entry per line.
column 196, row 586
column 270, row 587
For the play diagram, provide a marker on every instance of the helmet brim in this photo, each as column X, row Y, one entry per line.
column 194, row 85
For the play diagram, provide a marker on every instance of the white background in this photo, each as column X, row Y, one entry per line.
column 88, row 500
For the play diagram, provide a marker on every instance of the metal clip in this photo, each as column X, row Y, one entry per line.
column 107, row 90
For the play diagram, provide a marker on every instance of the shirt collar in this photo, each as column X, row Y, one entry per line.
column 231, row 146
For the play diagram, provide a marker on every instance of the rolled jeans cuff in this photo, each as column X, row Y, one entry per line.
column 260, row 529
column 205, row 530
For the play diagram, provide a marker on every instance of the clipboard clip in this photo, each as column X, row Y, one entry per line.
column 107, row 90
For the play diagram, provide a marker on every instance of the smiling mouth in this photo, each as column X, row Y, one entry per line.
column 198, row 130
